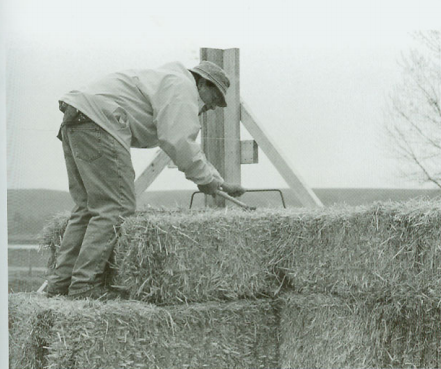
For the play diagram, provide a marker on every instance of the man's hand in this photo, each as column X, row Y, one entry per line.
column 210, row 188
column 233, row 189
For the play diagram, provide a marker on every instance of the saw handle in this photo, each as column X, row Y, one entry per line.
column 232, row 199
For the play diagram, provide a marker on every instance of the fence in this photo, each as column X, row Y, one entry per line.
column 26, row 258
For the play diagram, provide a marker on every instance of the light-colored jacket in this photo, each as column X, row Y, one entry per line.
column 150, row 108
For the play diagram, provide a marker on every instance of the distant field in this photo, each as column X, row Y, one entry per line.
column 21, row 281
column 26, row 268
column 29, row 210
column 272, row 199
column 23, row 258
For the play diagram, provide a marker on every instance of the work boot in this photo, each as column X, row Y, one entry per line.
column 55, row 292
column 100, row 293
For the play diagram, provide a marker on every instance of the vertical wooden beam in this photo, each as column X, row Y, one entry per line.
column 221, row 127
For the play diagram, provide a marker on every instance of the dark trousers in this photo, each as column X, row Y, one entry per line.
column 101, row 183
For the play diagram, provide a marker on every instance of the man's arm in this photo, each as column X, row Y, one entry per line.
column 176, row 118
column 177, row 122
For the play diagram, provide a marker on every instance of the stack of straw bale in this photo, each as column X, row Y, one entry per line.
column 128, row 334
column 172, row 258
column 353, row 287
column 328, row 331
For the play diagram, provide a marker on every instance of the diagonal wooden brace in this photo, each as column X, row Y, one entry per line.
column 153, row 170
column 303, row 193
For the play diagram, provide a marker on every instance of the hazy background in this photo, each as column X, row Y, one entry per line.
column 317, row 76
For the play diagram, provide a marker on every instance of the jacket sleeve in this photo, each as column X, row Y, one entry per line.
column 175, row 114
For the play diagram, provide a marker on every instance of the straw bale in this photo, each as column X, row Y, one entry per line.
column 29, row 325
column 209, row 256
column 327, row 331
column 177, row 257
column 351, row 250
column 130, row 334
column 321, row 331
column 51, row 236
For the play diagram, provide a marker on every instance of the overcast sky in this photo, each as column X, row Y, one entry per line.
column 317, row 74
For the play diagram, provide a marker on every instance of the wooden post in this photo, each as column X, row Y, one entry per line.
column 221, row 127
column 221, row 139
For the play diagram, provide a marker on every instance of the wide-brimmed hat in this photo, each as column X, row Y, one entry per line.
column 216, row 75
